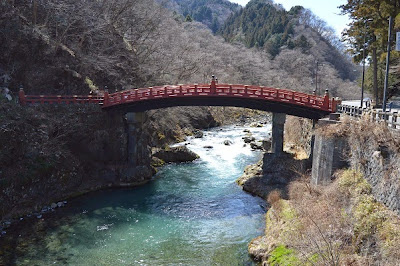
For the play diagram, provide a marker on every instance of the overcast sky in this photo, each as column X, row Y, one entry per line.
column 327, row 10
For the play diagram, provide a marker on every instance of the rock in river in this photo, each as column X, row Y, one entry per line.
column 228, row 142
column 198, row 134
column 248, row 139
column 176, row 155
column 255, row 146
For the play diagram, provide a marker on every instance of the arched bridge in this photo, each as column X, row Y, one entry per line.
column 213, row 94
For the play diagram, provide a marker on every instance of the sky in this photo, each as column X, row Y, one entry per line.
column 326, row 9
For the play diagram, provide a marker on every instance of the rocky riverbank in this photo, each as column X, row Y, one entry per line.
column 273, row 172
column 342, row 223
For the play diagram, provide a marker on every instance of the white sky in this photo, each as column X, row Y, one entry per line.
column 326, row 9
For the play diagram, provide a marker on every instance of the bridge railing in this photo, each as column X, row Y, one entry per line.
column 323, row 103
column 59, row 99
column 392, row 119
column 227, row 90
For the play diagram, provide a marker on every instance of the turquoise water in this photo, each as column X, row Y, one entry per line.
column 191, row 214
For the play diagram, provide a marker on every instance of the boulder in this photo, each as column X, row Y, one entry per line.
column 198, row 134
column 256, row 125
column 267, row 144
column 208, row 147
column 248, row 139
column 256, row 146
column 176, row 155
column 228, row 142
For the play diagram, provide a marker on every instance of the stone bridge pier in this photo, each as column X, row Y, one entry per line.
column 328, row 153
column 278, row 125
column 138, row 151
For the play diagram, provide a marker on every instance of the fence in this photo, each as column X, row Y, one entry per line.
column 390, row 118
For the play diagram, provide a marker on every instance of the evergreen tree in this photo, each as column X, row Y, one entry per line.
column 188, row 18
column 370, row 23
column 262, row 24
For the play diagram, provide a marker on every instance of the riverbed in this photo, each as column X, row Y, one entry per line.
column 190, row 214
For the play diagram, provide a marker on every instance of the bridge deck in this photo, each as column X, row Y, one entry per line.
column 213, row 94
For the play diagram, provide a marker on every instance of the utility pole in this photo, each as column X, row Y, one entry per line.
column 387, row 64
column 363, row 74
column 316, row 79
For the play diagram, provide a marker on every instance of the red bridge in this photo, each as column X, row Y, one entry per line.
column 213, row 94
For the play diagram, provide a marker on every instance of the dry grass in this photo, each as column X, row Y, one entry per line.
column 274, row 199
column 340, row 224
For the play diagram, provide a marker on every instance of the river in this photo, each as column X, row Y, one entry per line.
column 191, row 214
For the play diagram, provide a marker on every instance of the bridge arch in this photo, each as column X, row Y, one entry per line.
column 214, row 94
column 249, row 96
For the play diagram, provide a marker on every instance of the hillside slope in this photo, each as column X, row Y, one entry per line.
column 212, row 13
column 268, row 26
column 99, row 44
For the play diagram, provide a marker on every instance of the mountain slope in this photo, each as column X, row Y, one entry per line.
column 212, row 13
column 268, row 26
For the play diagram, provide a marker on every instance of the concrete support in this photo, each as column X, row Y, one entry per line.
column 278, row 124
column 314, row 123
column 328, row 156
column 135, row 122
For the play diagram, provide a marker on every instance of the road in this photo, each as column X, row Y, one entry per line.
column 395, row 105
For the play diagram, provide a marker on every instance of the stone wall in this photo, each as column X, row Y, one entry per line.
column 375, row 152
column 373, row 149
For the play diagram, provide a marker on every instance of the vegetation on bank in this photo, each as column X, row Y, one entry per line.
column 338, row 224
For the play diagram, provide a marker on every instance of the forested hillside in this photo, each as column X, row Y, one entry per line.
column 212, row 13
column 261, row 24
column 73, row 46
column 268, row 26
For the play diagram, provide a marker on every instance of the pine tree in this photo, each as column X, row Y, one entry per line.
column 370, row 23
column 188, row 18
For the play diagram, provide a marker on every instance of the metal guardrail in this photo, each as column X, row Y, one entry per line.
column 392, row 119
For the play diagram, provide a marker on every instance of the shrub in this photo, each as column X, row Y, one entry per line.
column 274, row 197
column 282, row 255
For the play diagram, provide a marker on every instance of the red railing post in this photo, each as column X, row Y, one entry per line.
column 106, row 98
column 326, row 100
column 213, row 85
column 21, row 96
column 334, row 105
